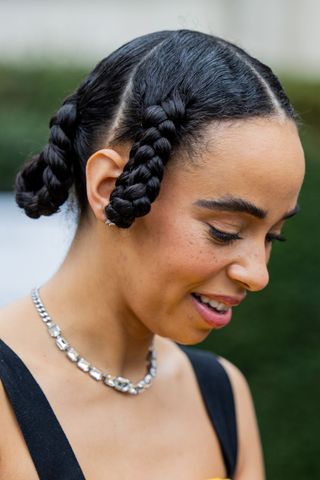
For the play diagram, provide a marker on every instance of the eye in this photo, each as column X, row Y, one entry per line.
column 271, row 237
column 221, row 237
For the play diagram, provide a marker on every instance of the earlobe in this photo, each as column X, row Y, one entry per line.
column 102, row 170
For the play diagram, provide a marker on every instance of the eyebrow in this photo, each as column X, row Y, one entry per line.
column 233, row 204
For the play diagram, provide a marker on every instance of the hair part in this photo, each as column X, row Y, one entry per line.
column 157, row 92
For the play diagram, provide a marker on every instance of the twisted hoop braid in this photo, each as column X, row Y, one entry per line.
column 42, row 185
column 139, row 184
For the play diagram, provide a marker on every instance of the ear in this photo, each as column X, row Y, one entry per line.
column 102, row 170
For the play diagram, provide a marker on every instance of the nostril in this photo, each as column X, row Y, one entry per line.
column 251, row 276
column 245, row 285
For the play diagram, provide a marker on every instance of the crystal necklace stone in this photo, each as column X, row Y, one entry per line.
column 95, row 373
column 118, row 383
column 83, row 365
column 72, row 354
column 61, row 343
column 122, row 384
column 54, row 329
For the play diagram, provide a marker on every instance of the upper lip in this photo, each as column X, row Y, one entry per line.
column 228, row 300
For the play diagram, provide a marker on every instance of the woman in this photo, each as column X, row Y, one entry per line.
column 184, row 158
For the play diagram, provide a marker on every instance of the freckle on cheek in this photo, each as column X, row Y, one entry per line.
column 122, row 259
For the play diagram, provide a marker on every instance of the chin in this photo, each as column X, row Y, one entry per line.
column 189, row 338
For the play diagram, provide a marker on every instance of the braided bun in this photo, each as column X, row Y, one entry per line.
column 43, row 184
column 139, row 184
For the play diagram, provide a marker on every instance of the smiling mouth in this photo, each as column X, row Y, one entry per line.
column 213, row 305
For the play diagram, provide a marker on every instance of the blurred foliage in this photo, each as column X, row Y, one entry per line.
column 28, row 98
column 305, row 96
column 274, row 336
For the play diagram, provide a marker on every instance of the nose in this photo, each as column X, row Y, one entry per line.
column 250, row 271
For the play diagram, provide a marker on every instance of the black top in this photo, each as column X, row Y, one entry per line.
column 48, row 445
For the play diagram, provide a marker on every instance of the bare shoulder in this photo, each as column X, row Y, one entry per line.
column 12, row 317
column 238, row 381
column 3, row 422
column 12, row 331
column 6, row 316
column 250, row 465
column 11, row 320
column 4, row 417
column 12, row 444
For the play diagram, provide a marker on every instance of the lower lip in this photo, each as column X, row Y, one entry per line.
column 212, row 318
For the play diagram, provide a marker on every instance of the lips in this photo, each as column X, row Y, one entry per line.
column 215, row 310
column 228, row 300
column 213, row 303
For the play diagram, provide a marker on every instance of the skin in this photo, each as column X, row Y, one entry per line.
column 119, row 289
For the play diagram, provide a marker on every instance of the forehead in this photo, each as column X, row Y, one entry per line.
column 260, row 160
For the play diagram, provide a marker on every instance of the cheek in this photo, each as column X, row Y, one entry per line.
column 176, row 258
column 160, row 273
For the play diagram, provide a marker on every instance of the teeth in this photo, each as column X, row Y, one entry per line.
column 205, row 299
column 221, row 307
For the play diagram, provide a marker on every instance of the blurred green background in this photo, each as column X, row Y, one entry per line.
column 274, row 336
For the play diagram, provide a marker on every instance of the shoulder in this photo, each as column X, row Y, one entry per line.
column 250, row 458
column 238, row 381
column 241, row 390
column 7, row 422
column 13, row 319
column 13, row 326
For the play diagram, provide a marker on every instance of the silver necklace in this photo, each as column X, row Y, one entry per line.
column 121, row 384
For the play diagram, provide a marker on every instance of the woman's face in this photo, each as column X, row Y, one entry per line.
column 209, row 234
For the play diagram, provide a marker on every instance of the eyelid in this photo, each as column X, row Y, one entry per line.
column 221, row 236
column 275, row 236
column 228, row 237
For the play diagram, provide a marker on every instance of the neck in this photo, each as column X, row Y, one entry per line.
column 84, row 299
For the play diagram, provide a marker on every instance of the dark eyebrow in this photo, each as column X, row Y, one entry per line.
column 232, row 204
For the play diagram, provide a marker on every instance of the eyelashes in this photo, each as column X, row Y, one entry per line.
column 226, row 238
column 271, row 237
column 223, row 237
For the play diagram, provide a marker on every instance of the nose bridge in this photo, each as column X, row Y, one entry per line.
column 252, row 270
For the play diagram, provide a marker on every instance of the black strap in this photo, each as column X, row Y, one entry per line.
column 48, row 445
column 217, row 394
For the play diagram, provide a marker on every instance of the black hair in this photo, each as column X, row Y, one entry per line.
column 157, row 92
